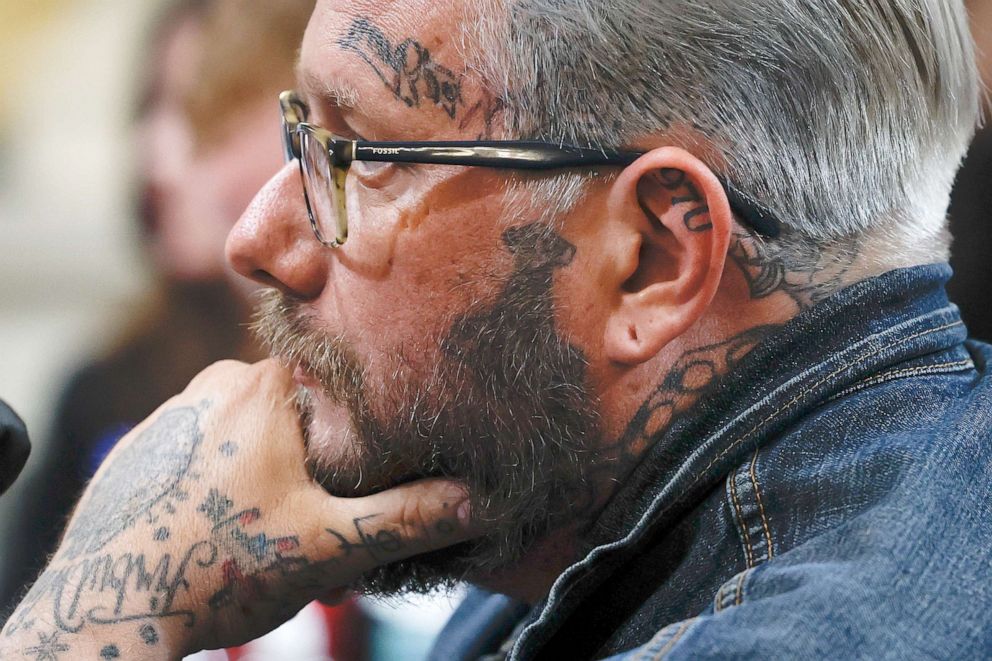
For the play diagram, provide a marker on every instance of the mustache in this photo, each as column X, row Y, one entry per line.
column 290, row 332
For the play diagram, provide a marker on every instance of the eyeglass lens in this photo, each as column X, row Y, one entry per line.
column 324, row 188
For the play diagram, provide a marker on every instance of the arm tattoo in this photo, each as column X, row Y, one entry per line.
column 49, row 647
column 148, row 634
column 110, row 652
column 113, row 588
column 133, row 486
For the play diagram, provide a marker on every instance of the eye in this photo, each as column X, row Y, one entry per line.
column 376, row 174
column 369, row 168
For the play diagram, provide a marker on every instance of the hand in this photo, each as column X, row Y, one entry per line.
column 203, row 529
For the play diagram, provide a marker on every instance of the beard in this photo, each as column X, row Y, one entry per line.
column 502, row 407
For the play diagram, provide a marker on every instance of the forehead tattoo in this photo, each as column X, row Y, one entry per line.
column 409, row 72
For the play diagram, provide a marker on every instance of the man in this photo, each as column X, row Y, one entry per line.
column 703, row 386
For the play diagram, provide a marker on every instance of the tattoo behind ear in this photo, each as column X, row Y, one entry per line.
column 805, row 272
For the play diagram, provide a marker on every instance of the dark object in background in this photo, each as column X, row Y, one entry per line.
column 197, row 325
column 14, row 446
column 971, row 227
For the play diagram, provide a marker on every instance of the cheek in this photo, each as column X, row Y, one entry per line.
column 429, row 283
column 410, row 268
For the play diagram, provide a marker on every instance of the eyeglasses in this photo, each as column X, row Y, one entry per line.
column 325, row 158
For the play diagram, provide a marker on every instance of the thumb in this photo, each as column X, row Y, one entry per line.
column 397, row 523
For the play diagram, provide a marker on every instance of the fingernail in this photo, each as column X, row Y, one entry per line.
column 464, row 512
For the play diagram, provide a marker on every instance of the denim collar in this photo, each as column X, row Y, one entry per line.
column 856, row 333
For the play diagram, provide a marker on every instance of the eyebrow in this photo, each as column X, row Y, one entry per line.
column 332, row 93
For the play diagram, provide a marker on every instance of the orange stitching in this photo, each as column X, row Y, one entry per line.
column 719, row 599
column 646, row 649
column 761, row 506
column 740, row 589
column 674, row 639
column 802, row 393
column 740, row 517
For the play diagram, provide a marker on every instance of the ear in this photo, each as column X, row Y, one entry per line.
column 675, row 212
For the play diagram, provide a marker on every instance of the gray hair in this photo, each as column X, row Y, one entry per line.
column 847, row 118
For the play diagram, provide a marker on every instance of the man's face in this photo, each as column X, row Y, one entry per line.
column 428, row 343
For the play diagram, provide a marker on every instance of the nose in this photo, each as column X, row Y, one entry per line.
column 272, row 243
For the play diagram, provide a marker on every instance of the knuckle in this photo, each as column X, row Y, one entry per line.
column 271, row 376
column 413, row 519
column 227, row 365
column 216, row 370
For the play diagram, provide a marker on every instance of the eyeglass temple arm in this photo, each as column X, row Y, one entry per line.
column 532, row 156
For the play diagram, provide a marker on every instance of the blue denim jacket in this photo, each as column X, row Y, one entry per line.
column 829, row 498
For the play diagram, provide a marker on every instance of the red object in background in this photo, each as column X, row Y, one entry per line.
column 346, row 627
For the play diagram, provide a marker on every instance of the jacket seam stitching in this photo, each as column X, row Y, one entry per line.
column 939, row 368
column 718, row 605
column 739, row 590
column 761, row 506
column 669, row 644
column 749, row 551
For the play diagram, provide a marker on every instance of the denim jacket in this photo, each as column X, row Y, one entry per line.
column 828, row 498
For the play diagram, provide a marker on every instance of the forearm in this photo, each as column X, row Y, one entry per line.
column 119, row 641
column 146, row 593
column 112, row 605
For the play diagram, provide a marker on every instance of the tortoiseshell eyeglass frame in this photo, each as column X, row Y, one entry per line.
column 502, row 154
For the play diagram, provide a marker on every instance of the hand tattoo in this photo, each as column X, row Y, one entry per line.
column 378, row 545
column 145, row 476
column 247, row 557
column 48, row 648
column 137, row 590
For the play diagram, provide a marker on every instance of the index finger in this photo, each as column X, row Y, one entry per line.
column 398, row 523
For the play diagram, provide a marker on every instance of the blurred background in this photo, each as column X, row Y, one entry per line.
column 112, row 288
column 69, row 257
column 132, row 135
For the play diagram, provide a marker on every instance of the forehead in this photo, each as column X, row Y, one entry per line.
column 392, row 64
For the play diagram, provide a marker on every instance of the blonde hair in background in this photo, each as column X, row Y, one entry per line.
column 250, row 49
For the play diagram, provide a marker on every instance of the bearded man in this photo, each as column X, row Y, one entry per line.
column 630, row 313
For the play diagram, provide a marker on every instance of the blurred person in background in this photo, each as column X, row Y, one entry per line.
column 165, row 343
column 972, row 199
column 205, row 143
column 194, row 179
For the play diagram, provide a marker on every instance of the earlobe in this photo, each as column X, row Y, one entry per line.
column 680, row 215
